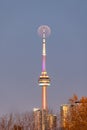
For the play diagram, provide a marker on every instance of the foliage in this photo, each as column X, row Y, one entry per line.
column 77, row 114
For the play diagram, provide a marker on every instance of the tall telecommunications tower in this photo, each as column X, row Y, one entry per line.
column 44, row 80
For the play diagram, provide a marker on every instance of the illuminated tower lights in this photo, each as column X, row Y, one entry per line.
column 44, row 81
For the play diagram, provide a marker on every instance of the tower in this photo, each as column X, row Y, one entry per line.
column 46, row 120
column 44, row 80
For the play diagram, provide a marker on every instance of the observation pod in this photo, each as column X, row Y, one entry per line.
column 44, row 80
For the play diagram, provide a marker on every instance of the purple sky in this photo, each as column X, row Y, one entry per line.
column 21, row 48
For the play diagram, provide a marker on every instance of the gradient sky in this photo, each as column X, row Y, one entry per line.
column 21, row 48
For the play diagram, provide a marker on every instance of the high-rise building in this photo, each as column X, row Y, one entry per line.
column 37, row 119
column 51, row 121
column 43, row 120
column 64, row 109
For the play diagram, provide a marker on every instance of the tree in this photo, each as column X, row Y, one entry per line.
column 77, row 114
column 23, row 121
column 6, row 122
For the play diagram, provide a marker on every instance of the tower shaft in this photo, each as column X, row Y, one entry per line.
column 44, row 98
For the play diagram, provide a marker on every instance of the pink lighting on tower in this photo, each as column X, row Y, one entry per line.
column 44, row 64
column 44, row 80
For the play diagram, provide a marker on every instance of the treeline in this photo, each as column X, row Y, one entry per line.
column 75, row 118
column 17, row 121
column 23, row 121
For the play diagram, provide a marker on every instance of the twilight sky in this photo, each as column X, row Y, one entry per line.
column 21, row 48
